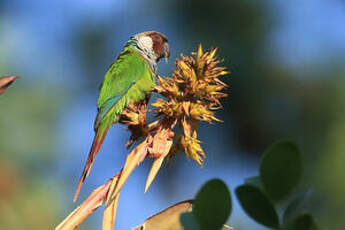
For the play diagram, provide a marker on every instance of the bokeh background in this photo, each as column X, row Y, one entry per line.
column 288, row 81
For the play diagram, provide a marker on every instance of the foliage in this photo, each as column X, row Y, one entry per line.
column 211, row 208
column 285, row 166
column 257, row 205
column 280, row 173
column 215, row 202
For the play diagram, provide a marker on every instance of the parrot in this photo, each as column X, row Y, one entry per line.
column 130, row 78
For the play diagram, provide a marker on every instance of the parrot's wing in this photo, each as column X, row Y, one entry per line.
column 104, row 109
column 126, row 69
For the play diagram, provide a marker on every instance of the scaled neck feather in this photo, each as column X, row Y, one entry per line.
column 146, row 51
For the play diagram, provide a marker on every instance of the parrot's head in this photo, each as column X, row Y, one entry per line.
column 153, row 44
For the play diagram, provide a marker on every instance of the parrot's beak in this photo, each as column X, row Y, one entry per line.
column 166, row 52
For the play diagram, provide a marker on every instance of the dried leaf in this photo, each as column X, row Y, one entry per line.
column 157, row 163
column 168, row 219
column 94, row 201
column 109, row 215
column 186, row 107
column 132, row 161
column 212, row 53
column 190, row 127
column 161, row 145
column 6, row 81
column 162, row 140
column 200, row 52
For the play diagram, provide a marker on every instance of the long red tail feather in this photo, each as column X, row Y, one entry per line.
column 96, row 145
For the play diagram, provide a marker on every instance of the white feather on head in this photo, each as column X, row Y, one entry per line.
column 153, row 46
column 145, row 46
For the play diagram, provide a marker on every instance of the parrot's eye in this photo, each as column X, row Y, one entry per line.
column 158, row 38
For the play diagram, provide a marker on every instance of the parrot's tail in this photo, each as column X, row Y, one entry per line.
column 96, row 145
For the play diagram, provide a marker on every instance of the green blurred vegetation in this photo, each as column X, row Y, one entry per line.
column 26, row 156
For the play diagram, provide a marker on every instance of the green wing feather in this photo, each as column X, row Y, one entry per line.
column 128, row 67
column 122, row 80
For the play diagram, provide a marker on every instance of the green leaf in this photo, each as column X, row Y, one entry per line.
column 188, row 221
column 304, row 222
column 212, row 205
column 296, row 207
column 281, row 169
column 257, row 205
column 255, row 181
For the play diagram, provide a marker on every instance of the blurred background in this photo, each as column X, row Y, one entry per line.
column 287, row 60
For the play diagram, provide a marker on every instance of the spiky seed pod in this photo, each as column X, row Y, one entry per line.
column 193, row 90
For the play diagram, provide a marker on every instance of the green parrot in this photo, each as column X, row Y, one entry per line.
column 130, row 78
